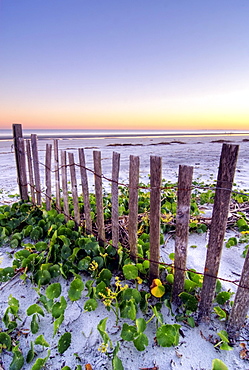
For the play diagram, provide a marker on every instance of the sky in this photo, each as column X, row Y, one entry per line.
column 124, row 64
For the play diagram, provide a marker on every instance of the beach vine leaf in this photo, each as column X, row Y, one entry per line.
column 64, row 342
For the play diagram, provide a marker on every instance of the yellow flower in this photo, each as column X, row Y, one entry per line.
column 93, row 266
column 103, row 347
column 139, row 280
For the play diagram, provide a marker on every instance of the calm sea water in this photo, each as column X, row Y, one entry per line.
column 44, row 134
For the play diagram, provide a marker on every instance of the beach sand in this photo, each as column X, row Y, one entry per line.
column 194, row 352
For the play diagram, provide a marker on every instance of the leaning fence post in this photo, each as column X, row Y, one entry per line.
column 155, row 214
column 224, row 185
column 85, row 191
column 57, row 175
column 115, row 173
column 20, row 160
column 48, row 176
column 182, row 229
column 99, row 196
column 30, row 168
column 241, row 303
column 74, row 188
column 36, row 168
column 133, row 205
column 64, row 184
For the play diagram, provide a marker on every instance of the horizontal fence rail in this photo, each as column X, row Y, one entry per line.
column 29, row 178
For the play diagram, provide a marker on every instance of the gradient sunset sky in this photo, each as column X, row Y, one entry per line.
column 124, row 64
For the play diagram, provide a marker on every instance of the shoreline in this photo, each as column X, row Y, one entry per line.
column 138, row 135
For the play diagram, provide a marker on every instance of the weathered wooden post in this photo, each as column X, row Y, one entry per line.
column 64, row 184
column 74, row 189
column 20, row 160
column 48, row 176
column 85, row 191
column 133, row 205
column 57, row 175
column 30, row 168
column 36, row 168
column 99, row 196
column 241, row 303
column 182, row 229
column 224, row 185
column 115, row 215
column 155, row 214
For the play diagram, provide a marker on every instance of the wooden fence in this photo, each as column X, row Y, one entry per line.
column 28, row 171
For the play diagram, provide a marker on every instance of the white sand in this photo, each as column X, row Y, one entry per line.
column 193, row 351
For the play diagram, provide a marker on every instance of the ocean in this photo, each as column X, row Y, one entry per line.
column 6, row 134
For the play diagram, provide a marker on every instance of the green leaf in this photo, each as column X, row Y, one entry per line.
column 64, row 239
column 170, row 278
column 31, row 353
column 130, row 272
column 34, row 308
column 141, row 342
column 5, row 340
column 218, row 365
column 65, row 252
column 84, row 263
column 42, row 341
column 18, row 359
column 64, row 342
column 58, row 308
column 53, row 291
column 13, row 304
column 128, row 332
column 6, row 274
column 190, row 302
column 225, row 347
column 191, row 322
column 40, row 362
column 101, row 328
column 189, row 285
column 41, row 246
column 90, row 305
column 76, row 287
column 130, row 293
column 221, row 313
column 105, row 275
column 117, row 363
column 34, row 324
column 42, row 277
column 57, row 323
column 141, row 325
column 231, row 242
column 223, row 297
column 168, row 335
column 223, row 336
column 128, row 309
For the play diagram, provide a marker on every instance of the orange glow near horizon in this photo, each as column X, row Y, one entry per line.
column 211, row 112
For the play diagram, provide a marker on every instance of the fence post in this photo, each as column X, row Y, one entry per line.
column 85, row 191
column 155, row 214
column 36, row 168
column 74, row 188
column 64, row 184
column 241, row 303
column 182, row 229
column 225, row 178
column 133, row 205
column 99, row 196
column 30, row 168
column 57, row 175
column 48, row 176
column 20, row 160
column 115, row 214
